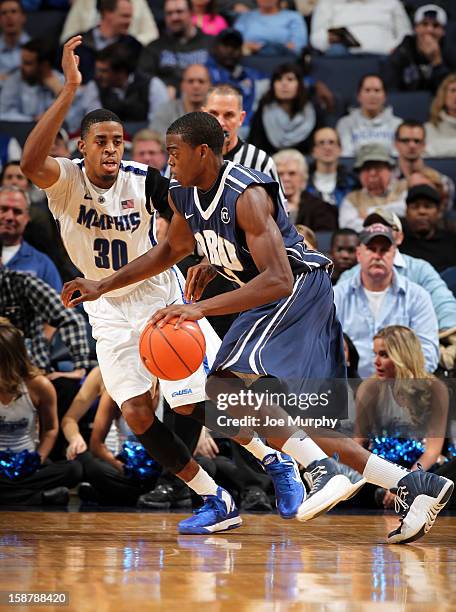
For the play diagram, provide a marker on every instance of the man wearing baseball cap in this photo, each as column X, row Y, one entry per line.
column 423, row 274
column 379, row 187
column 377, row 296
column 423, row 59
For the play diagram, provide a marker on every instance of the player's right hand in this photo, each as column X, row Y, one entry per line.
column 70, row 61
column 89, row 290
column 198, row 277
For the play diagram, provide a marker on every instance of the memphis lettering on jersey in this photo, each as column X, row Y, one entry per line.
column 122, row 223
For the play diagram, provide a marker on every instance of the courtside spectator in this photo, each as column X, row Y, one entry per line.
column 402, row 401
column 29, row 425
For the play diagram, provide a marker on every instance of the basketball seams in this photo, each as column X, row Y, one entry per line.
column 175, row 352
column 196, row 339
column 173, row 349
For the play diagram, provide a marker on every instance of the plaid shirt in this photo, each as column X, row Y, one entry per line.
column 28, row 302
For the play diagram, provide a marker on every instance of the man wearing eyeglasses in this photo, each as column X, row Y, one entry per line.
column 410, row 142
column 425, row 58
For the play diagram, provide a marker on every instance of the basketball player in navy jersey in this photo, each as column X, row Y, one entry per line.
column 106, row 209
column 287, row 327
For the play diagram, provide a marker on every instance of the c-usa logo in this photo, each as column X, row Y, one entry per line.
column 225, row 215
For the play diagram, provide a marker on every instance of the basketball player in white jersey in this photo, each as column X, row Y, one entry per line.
column 105, row 209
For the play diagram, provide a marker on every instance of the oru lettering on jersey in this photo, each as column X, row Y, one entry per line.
column 122, row 223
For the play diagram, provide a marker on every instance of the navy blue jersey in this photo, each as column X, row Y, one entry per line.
column 223, row 243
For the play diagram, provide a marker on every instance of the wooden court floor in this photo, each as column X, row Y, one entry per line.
column 136, row 561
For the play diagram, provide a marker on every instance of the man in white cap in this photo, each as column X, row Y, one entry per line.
column 423, row 59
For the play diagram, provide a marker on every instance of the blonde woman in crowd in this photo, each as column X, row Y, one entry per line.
column 402, row 408
column 28, row 430
column 441, row 129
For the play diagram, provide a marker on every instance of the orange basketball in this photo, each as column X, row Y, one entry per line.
column 172, row 354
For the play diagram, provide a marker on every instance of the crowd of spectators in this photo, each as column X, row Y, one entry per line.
column 371, row 185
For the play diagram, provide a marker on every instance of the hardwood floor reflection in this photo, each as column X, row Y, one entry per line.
column 136, row 561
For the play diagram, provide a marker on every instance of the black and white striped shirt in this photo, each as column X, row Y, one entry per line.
column 252, row 157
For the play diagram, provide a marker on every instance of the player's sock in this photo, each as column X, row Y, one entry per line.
column 383, row 473
column 203, row 484
column 303, row 449
column 258, row 448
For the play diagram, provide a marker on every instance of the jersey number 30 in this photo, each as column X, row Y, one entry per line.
column 110, row 254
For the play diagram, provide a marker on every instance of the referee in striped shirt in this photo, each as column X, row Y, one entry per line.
column 224, row 102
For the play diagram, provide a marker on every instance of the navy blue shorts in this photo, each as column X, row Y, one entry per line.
column 294, row 339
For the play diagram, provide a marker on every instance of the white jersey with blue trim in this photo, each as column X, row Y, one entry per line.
column 215, row 229
column 103, row 230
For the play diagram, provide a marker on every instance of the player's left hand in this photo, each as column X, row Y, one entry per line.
column 185, row 312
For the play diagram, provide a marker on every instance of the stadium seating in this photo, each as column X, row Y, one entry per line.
column 45, row 24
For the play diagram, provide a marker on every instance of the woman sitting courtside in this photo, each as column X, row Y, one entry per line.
column 28, row 430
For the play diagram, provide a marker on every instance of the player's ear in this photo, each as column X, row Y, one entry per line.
column 204, row 148
column 242, row 117
column 81, row 147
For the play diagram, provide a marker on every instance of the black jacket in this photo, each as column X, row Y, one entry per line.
column 407, row 69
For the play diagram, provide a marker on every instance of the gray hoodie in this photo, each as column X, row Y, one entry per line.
column 356, row 130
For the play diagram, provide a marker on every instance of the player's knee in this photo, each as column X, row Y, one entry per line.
column 186, row 410
column 138, row 412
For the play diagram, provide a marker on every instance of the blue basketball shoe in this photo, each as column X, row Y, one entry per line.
column 420, row 496
column 218, row 513
column 289, row 488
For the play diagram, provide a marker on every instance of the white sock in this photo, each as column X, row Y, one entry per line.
column 303, row 449
column 258, row 448
column 380, row 472
column 203, row 484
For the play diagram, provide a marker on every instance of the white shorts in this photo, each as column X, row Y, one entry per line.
column 117, row 323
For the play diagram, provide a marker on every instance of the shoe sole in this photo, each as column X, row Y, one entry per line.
column 231, row 523
column 431, row 514
column 342, row 489
column 356, row 486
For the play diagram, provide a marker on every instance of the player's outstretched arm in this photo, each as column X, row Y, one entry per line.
column 178, row 243
column 254, row 215
column 36, row 164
